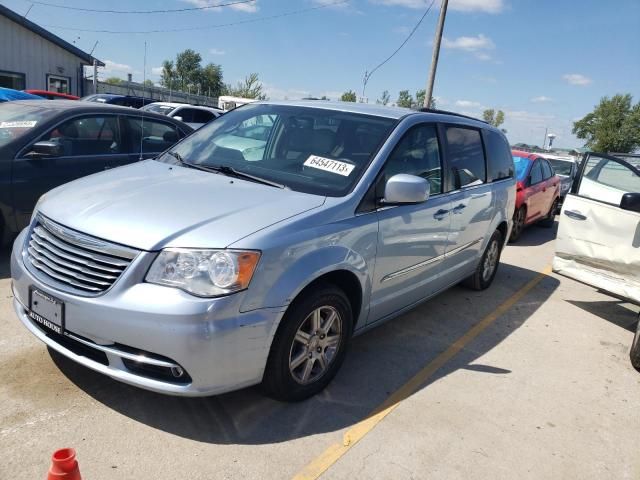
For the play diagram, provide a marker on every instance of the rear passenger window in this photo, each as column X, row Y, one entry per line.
column 417, row 153
column 466, row 157
column 547, row 171
column 202, row 116
column 536, row 172
column 499, row 159
column 154, row 136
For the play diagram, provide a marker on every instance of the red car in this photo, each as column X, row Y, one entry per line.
column 52, row 95
column 537, row 192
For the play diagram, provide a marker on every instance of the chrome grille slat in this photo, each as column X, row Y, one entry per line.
column 61, row 278
column 74, row 261
column 68, row 265
column 66, row 272
column 39, row 244
column 40, row 232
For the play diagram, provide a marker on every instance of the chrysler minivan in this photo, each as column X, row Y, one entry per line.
column 254, row 249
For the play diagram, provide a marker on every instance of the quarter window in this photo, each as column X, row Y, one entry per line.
column 499, row 158
column 536, row 172
column 466, row 156
column 417, row 153
column 92, row 135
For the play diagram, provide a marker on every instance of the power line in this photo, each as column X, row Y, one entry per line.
column 368, row 74
column 206, row 27
column 174, row 10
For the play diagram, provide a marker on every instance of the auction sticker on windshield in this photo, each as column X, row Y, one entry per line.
column 19, row 124
column 328, row 165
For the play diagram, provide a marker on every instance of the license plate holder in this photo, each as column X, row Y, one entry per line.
column 47, row 310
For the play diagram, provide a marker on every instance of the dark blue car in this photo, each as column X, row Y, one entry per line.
column 44, row 144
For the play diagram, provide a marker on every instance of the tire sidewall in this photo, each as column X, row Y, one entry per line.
column 496, row 237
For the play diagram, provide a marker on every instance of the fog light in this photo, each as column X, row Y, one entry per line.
column 177, row 371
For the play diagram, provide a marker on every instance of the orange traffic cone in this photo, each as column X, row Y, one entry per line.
column 64, row 465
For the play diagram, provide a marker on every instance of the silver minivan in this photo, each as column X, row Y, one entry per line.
column 255, row 248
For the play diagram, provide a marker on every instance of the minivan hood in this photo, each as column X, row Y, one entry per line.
column 151, row 205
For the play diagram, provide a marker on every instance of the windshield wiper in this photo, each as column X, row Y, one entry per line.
column 178, row 157
column 232, row 172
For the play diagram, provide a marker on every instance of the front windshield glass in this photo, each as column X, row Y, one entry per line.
column 18, row 119
column 162, row 109
column 521, row 164
column 561, row 167
column 310, row 150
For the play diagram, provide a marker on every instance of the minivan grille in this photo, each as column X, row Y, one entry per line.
column 76, row 260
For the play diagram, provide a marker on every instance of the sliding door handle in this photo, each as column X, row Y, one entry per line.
column 440, row 214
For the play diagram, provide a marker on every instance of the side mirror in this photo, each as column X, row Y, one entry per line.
column 45, row 149
column 631, row 202
column 404, row 188
column 178, row 117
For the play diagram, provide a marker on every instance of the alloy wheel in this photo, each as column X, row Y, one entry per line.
column 490, row 260
column 315, row 345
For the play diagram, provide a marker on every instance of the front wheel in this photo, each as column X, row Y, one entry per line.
column 634, row 354
column 488, row 266
column 548, row 221
column 310, row 344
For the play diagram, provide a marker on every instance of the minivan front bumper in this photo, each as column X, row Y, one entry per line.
column 154, row 337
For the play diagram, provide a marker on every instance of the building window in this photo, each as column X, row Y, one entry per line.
column 12, row 80
column 58, row 84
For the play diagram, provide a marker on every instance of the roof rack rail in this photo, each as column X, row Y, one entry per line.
column 446, row 112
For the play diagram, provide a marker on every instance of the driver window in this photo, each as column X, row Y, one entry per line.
column 536, row 172
column 96, row 135
column 607, row 180
column 417, row 153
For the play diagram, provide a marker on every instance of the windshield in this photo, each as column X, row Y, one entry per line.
column 310, row 150
column 18, row 119
column 521, row 164
column 162, row 109
column 561, row 167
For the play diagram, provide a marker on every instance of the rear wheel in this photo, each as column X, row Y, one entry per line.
column 310, row 344
column 519, row 218
column 488, row 266
column 634, row 354
column 549, row 220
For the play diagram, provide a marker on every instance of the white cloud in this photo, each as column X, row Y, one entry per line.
column 576, row 79
column 111, row 67
column 332, row 4
column 217, row 51
column 156, row 70
column 487, row 6
column 483, row 56
column 467, row 104
column 541, row 99
column 250, row 7
column 469, row 44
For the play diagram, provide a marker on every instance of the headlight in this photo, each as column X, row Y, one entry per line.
column 205, row 273
column 565, row 187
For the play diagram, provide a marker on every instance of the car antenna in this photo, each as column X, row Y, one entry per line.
column 144, row 80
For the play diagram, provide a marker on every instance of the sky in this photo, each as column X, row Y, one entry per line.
column 545, row 63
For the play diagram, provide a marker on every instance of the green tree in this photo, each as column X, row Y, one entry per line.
column 210, row 80
column 419, row 103
column 168, row 75
column 324, row 97
column 113, row 81
column 148, row 83
column 613, row 126
column 188, row 68
column 385, row 98
column 348, row 96
column 404, row 99
column 250, row 87
column 490, row 116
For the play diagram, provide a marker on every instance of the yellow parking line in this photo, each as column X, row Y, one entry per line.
column 352, row 436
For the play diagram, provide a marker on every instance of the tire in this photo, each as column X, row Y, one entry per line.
column 488, row 265
column 285, row 381
column 519, row 219
column 634, row 354
column 549, row 220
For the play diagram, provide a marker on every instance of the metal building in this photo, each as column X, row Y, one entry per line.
column 32, row 58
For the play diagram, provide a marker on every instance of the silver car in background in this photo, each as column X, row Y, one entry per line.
column 254, row 249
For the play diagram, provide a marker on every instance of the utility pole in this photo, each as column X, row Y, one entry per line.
column 436, row 53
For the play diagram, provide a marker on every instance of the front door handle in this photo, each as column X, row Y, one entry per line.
column 440, row 214
column 575, row 215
